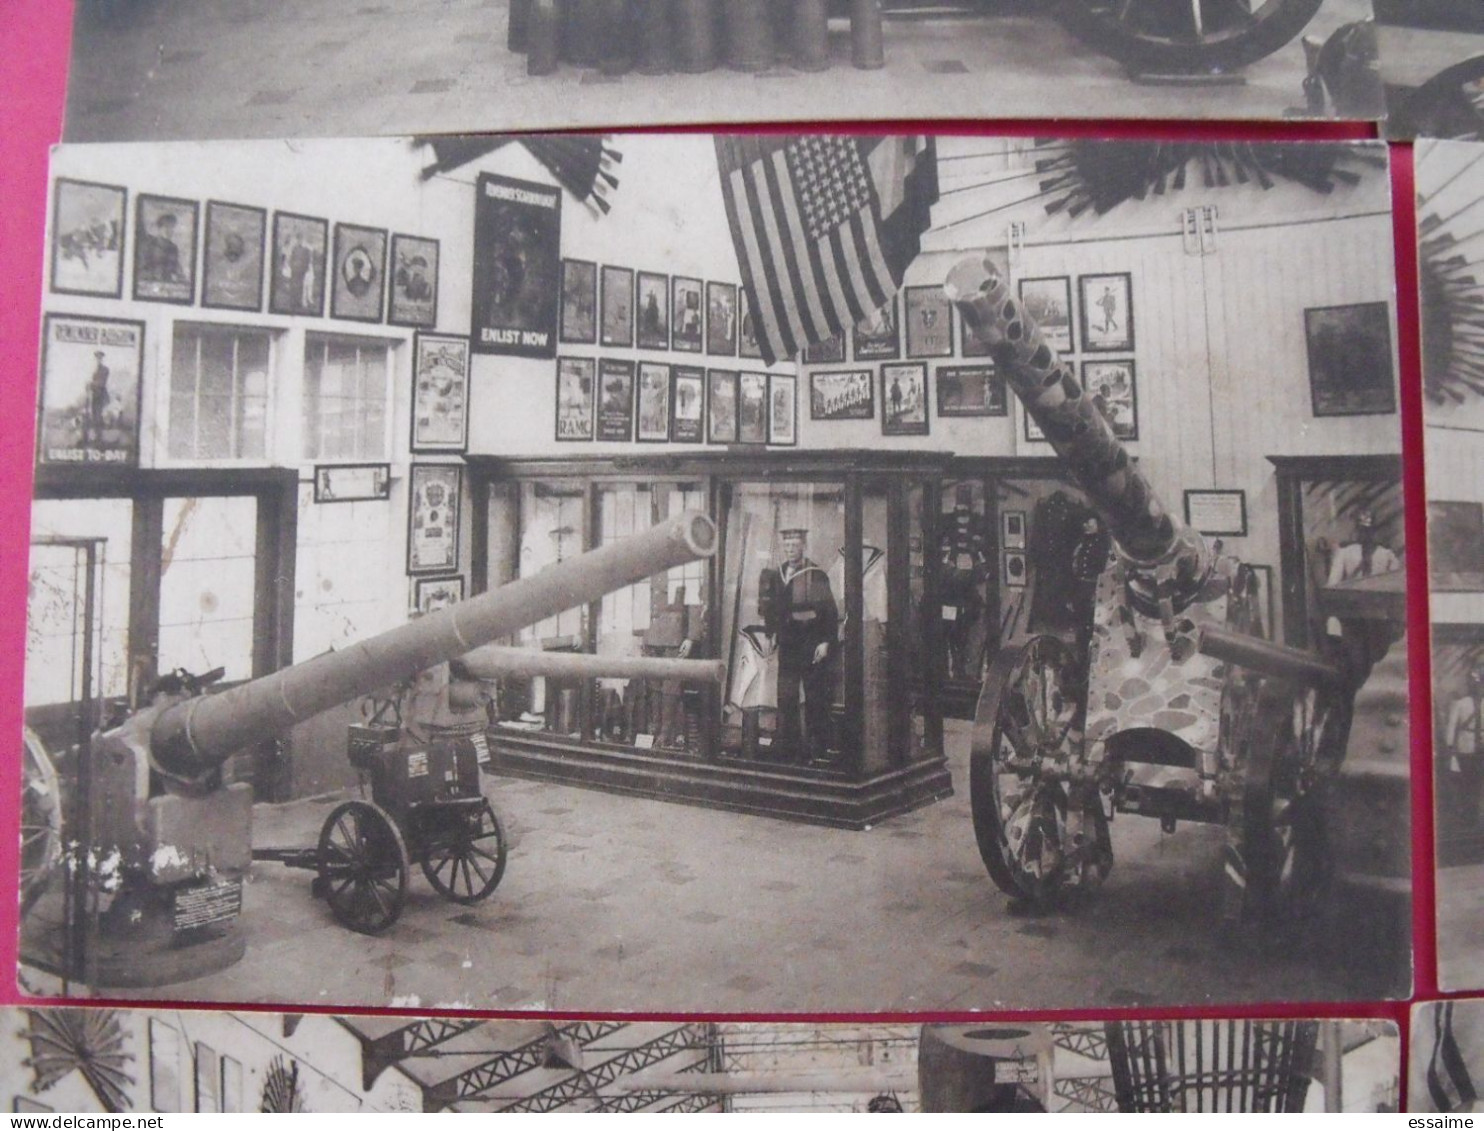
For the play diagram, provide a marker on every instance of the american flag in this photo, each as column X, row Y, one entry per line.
column 824, row 227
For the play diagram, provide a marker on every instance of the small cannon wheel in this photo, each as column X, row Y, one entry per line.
column 41, row 819
column 1187, row 36
column 1030, row 715
column 362, row 867
column 465, row 858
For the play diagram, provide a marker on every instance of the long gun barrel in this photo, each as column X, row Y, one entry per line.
column 1166, row 560
column 189, row 738
column 495, row 660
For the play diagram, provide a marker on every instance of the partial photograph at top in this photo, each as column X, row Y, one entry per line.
column 1432, row 67
column 199, row 69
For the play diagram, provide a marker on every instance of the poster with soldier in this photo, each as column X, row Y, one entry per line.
column 517, row 267
column 165, row 249
column 90, row 391
column 414, row 272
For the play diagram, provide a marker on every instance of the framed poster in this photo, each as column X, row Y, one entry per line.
column 618, row 307
column 1033, row 431
column 440, row 393
column 878, row 337
column 904, row 399
column 688, row 405
column 654, row 311
column 165, row 248
column 232, row 266
column 615, row 399
column 1049, row 302
column 579, row 324
column 1455, row 545
column 783, row 409
column 435, row 493
column 352, row 482
column 747, row 343
column 929, row 318
column 300, row 248
column 831, row 351
column 429, row 594
column 87, row 253
column 653, row 425
column 848, row 394
column 358, row 285
column 88, row 406
column 971, row 390
column 721, row 406
column 1111, row 386
column 752, row 408
column 969, row 345
column 1012, row 530
column 721, row 319
column 685, row 315
column 1217, row 512
column 1015, row 570
column 517, row 266
column 1107, row 308
column 414, row 275
column 574, row 398
column 1350, row 370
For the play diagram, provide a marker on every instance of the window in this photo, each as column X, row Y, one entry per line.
column 164, row 1066
column 345, row 397
column 219, row 392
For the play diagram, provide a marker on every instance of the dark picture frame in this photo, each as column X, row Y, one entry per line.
column 904, row 411
column 687, row 404
column 615, row 412
column 1012, row 529
column 783, row 410
column 1455, row 545
column 653, row 408
column 878, row 337
column 576, row 378
column 90, row 391
column 616, row 327
column 831, row 351
column 1120, row 403
column 1014, row 569
column 166, row 229
column 232, row 259
column 752, row 407
column 1350, row 365
column 432, row 593
column 1047, row 299
column 579, row 321
column 435, row 497
column 358, row 284
column 970, row 390
column 300, row 252
column 687, row 314
column 514, row 312
column 721, row 319
column 842, row 394
column 352, row 482
column 652, row 309
column 1107, row 319
column 440, row 392
column 412, row 273
column 747, row 344
column 927, row 322
column 721, row 406
column 89, row 222
column 1217, row 512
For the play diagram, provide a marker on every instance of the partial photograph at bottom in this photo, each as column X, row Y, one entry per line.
column 159, row 1060
column 1446, row 1066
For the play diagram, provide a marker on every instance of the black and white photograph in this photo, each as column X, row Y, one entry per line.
column 721, row 319
column 579, row 302
column 429, row 594
column 1450, row 188
column 970, row 390
column 414, row 282
column 1106, row 305
column 232, row 263
column 1350, row 367
column 1430, row 55
column 1049, row 302
column 1445, row 1057
column 517, row 266
column 440, row 393
column 736, row 728
column 358, row 286
column 653, row 306
column 618, row 306
column 1114, row 394
column 87, row 238
column 747, row 343
column 177, row 70
column 847, row 394
column 687, row 315
column 831, row 351
column 165, row 230
column 878, row 337
column 300, row 251
column 143, row 1060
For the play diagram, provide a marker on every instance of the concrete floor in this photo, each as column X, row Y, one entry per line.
column 1460, row 927
column 620, row 904
column 173, row 69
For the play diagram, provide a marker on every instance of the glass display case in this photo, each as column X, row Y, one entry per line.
column 814, row 606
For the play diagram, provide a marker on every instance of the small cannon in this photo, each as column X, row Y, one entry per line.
column 1165, row 706
column 168, row 843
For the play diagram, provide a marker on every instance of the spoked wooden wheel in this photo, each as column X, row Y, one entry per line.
column 1187, row 36
column 41, row 819
column 1450, row 105
column 1040, row 827
column 465, row 857
column 362, row 867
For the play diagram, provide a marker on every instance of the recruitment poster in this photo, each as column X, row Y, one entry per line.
column 90, row 390
column 517, row 267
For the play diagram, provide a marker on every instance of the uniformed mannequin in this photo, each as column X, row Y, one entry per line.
column 799, row 611
column 964, row 563
column 1365, row 557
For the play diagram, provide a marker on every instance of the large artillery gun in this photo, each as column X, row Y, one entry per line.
column 1167, row 706
column 161, row 844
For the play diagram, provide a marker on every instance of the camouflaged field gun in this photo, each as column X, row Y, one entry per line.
column 1167, row 705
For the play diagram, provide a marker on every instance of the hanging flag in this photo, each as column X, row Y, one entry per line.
column 824, row 228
